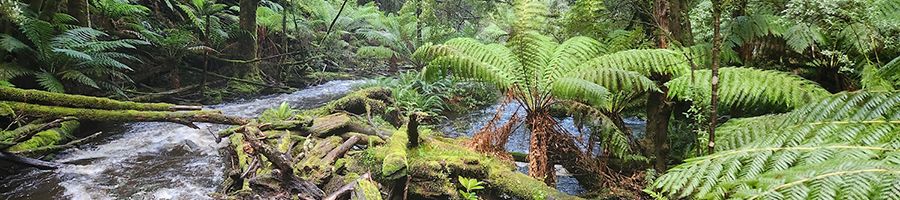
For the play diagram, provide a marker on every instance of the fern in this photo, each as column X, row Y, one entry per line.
column 752, row 90
column 846, row 146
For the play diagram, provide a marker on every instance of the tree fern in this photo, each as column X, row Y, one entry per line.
column 846, row 146
column 749, row 89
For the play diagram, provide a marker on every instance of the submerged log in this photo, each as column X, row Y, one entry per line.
column 79, row 101
column 40, row 164
column 185, row 118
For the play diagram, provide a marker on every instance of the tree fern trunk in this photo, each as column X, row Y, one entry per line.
column 541, row 125
column 659, row 110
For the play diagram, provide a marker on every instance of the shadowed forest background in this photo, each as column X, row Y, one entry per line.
column 450, row 99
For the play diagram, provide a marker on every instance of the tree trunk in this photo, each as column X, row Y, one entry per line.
column 714, row 102
column 659, row 109
column 661, row 17
column 49, row 8
column 679, row 25
column 248, row 46
column 79, row 10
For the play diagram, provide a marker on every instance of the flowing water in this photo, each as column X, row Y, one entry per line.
column 171, row 161
column 153, row 160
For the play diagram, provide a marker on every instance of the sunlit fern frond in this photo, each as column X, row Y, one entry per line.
column 647, row 62
column 466, row 67
column 580, row 90
column 829, row 149
column 570, row 54
column 530, row 15
column 748, row 89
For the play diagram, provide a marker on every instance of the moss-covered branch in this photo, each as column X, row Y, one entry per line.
column 121, row 115
column 79, row 101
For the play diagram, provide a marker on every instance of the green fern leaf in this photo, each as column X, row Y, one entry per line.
column 49, row 82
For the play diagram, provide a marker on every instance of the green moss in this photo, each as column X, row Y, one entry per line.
column 76, row 101
column 395, row 163
column 328, row 76
column 369, row 189
column 237, row 142
column 48, row 137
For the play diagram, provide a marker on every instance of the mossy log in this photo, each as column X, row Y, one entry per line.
column 79, row 101
column 185, row 118
column 437, row 161
column 395, row 164
column 363, row 188
column 27, row 131
column 365, row 101
column 48, row 137
column 282, row 162
column 44, row 150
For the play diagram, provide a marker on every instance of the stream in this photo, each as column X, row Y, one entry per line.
column 171, row 161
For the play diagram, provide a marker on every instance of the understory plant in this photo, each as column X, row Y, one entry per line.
column 470, row 187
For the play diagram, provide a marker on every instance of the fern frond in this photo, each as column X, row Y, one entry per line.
column 11, row 70
column 376, row 52
column 530, row 15
column 741, row 88
column 570, row 54
column 647, row 62
column 11, row 44
column 818, row 151
column 79, row 77
column 580, row 90
column 49, row 82
column 465, row 67
column 802, row 36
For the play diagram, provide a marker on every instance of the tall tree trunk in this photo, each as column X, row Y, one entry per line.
column 679, row 25
column 247, row 43
column 661, row 18
column 714, row 102
column 79, row 10
column 35, row 5
column 659, row 109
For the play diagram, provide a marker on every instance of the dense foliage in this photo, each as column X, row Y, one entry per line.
column 742, row 99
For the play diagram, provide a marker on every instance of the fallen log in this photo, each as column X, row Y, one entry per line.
column 53, row 148
column 49, row 137
column 79, row 101
column 282, row 162
column 185, row 118
column 345, row 191
column 25, row 132
column 339, row 151
column 40, row 164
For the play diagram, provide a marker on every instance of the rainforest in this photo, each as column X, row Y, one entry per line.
column 450, row 99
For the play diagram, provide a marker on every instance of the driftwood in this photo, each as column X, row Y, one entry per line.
column 185, row 118
column 282, row 162
column 79, row 101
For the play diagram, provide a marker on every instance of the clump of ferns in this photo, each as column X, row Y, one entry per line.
column 55, row 54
